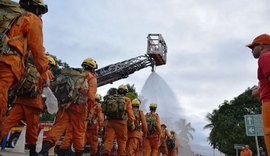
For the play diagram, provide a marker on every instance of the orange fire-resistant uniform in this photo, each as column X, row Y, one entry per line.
column 74, row 116
column 246, row 152
column 163, row 147
column 134, row 142
column 175, row 150
column 152, row 141
column 117, row 128
column 266, row 123
column 67, row 139
column 11, row 65
column 95, row 124
column 27, row 109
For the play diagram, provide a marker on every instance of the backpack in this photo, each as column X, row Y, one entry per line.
column 114, row 106
column 10, row 11
column 151, row 123
column 28, row 84
column 70, row 87
column 138, row 126
column 170, row 143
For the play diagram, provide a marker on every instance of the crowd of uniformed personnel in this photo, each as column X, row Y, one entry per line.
column 134, row 135
column 134, row 132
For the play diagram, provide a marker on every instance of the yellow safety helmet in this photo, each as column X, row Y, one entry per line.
column 51, row 60
column 89, row 62
column 153, row 105
column 124, row 87
column 135, row 102
column 98, row 97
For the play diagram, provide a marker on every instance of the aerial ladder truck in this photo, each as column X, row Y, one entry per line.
column 156, row 55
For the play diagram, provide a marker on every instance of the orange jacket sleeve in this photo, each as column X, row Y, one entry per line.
column 50, row 75
column 130, row 111
column 35, row 45
column 100, row 116
column 143, row 121
column 92, row 90
column 158, row 126
column 30, row 27
column 167, row 133
column 41, row 80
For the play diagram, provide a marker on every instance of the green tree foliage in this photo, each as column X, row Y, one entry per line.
column 132, row 94
column 60, row 65
column 47, row 117
column 227, row 123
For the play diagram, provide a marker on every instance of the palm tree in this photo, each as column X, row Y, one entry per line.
column 185, row 129
column 211, row 117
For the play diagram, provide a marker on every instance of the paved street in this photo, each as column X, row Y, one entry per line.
column 9, row 153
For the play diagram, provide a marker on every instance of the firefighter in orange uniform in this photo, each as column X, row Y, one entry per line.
column 174, row 150
column 25, row 35
column 135, row 136
column 29, row 109
column 116, row 127
column 95, row 125
column 246, row 151
column 152, row 140
column 75, row 115
column 66, row 142
column 165, row 135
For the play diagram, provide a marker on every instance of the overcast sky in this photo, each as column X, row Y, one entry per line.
column 207, row 58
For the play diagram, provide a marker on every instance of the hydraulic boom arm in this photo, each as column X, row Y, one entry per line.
column 156, row 55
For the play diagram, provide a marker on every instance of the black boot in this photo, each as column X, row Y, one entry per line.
column 78, row 153
column 61, row 152
column 32, row 149
column 46, row 145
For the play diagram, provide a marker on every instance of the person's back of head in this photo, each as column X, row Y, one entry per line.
column 35, row 6
column 122, row 89
column 163, row 126
column 89, row 64
column 135, row 103
column 98, row 97
column 51, row 61
column 153, row 107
